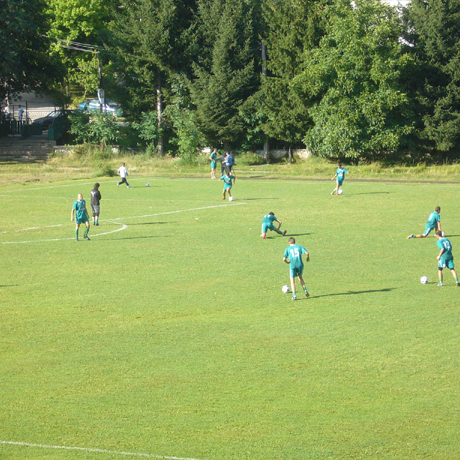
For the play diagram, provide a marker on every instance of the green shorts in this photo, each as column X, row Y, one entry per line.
column 82, row 220
column 428, row 230
column 213, row 165
column 266, row 227
column 227, row 187
column 296, row 272
column 449, row 263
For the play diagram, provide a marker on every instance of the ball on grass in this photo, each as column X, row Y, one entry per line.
column 424, row 279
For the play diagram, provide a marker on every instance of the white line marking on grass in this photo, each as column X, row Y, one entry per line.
column 37, row 228
column 100, row 451
column 124, row 227
column 173, row 212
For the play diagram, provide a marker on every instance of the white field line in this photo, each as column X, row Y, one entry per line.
column 124, row 227
column 100, row 451
column 173, row 212
column 115, row 220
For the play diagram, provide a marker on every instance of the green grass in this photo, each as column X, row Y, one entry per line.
column 95, row 164
column 172, row 337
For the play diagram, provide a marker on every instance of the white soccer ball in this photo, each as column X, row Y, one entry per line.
column 230, row 198
column 340, row 192
column 285, row 289
column 147, row 185
column 443, row 234
column 424, row 279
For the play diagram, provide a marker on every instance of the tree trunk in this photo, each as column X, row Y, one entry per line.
column 159, row 115
column 290, row 154
column 267, row 150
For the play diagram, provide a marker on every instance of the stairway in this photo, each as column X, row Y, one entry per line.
column 29, row 150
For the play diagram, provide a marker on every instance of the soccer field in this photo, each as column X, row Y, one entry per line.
column 168, row 336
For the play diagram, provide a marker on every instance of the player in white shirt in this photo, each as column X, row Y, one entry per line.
column 123, row 174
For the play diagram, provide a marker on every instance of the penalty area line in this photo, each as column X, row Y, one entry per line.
column 100, row 451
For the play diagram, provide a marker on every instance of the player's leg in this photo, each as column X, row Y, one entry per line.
column 440, row 276
column 224, row 193
column 229, row 192
column 86, row 230
column 302, row 282
column 294, row 295
column 77, row 226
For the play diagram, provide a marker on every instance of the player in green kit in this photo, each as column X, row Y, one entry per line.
column 445, row 258
column 434, row 223
column 340, row 175
column 81, row 215
column 293, row 257
column 229, row 180
column 213, row 158
column 267, row 224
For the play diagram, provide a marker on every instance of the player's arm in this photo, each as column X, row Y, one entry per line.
column 72, row 213
column 335, row 175
column 234, row 180
column 279, row 223
column 440, row 254
column 285, row 260
column 307, row 256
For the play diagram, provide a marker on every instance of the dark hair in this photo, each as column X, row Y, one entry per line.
column 339, row 164
column 291, row 240
column 271, row 214
column 437, row 209
column 439, row 233
column 97, row 185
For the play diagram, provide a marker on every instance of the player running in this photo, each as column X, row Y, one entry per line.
column 267, row 224
column 229, row 180
column 445, row 258
column 81, row 215
column 340, row 175
column 434, row 223
column 293, row 257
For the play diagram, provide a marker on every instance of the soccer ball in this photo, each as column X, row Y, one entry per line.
column 285, row 289
column 424, row 279
column 147, row 185
column 443, row 234
column 340, row 192
column 230, row 198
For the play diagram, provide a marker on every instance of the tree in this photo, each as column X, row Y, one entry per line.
column 434, row 31
column 82, row 21
column 360, row 105
column 225, row 72
column 25, row 64
column 151, row 43
column 294, row 27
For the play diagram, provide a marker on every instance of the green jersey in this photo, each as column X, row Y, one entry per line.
column 213, row 156
column 269, row 219
column 341, row 174
column 294, row 254
column 80, row 208
column 444, row 243
column 227, row 179
column 433, row 219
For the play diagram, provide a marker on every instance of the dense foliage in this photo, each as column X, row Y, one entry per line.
column 345, row 79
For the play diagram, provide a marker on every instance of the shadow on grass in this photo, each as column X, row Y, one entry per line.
column 372, row 193
column 354, row 292
column 153, row 223
column 138, row 237
column 255, row 199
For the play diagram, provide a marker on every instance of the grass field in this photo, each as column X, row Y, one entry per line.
column 167, row 335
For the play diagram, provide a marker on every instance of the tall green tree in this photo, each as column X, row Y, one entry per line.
column 434, row 31
column 151, row 43
column 226, row 71
column 25, row 63
column 82, row 21
column 356, row 76
column 293, row 27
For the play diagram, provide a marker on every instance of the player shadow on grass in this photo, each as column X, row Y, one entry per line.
column 356, row 292
column 152, row 223
column 371, row 193
column 139, row 237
